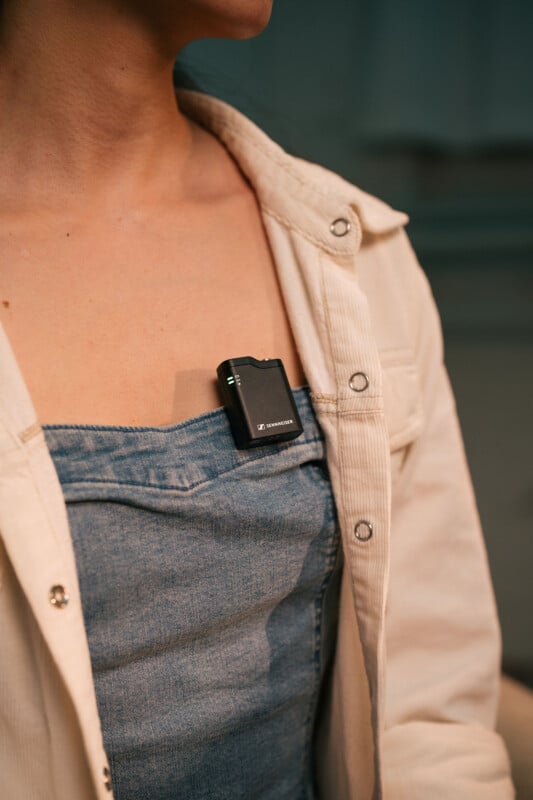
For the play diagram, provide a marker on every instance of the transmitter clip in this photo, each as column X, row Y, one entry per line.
column 258, row 401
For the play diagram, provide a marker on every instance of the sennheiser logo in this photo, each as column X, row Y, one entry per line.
column 262, row 425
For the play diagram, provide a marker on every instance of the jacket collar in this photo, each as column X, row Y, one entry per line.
column 302, row 195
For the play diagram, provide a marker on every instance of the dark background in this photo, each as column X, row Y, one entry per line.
column 429, row 105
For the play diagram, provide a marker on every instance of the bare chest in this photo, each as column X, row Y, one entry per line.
column 127, row 327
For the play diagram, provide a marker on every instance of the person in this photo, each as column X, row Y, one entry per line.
column 180, row 617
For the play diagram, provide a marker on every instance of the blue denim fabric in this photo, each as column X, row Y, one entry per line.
column 209, row 579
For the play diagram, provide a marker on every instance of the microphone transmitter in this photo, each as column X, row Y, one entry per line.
column 258, row 401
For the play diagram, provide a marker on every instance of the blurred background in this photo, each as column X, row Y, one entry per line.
column 429, row 105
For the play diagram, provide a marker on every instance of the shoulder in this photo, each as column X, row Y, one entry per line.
column 377, row 217
column 307, row 198
column 280, row 178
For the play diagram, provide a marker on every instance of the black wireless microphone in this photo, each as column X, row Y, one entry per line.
column 258, row 401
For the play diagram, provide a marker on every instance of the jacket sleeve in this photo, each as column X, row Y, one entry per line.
column 442, row 633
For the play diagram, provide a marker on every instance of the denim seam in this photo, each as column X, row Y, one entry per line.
column 171, row 428
column 188, row 487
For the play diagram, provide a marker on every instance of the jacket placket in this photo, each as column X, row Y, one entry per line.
column 35, row 532
column 337, row 346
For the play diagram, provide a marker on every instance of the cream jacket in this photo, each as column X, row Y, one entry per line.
column 413, row 696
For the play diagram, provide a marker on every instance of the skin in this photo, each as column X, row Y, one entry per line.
column 119, row 250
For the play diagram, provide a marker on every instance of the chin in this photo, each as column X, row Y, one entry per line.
column 254, row 18
column 232, row 19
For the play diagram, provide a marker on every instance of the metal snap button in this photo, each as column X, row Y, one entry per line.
column 363, row 530
column 107, row 779
column 58, row 596
column 340, row 226
column 359, row 382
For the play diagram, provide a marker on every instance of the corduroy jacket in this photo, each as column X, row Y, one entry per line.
column 411, row 704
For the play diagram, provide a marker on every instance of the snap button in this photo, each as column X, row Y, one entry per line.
column 340, row 226
column 58, row 596
column 359, row 382
column 363, row 530
column 107, row 779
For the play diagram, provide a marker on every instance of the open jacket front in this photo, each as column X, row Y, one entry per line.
column 411, row 706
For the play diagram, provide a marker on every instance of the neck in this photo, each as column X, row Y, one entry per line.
column 87, row 105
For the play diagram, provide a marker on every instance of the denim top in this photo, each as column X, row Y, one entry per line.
column 209, row 579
